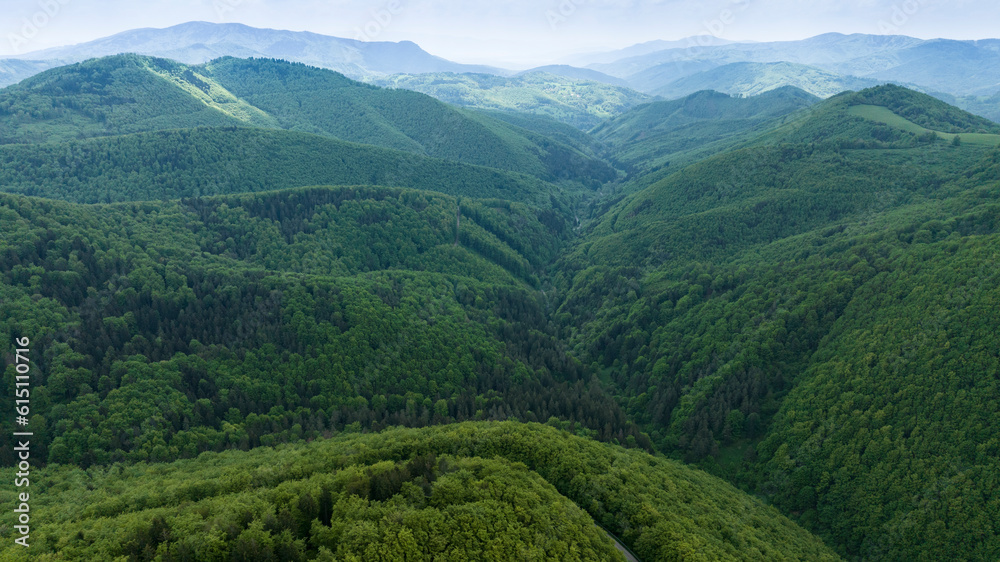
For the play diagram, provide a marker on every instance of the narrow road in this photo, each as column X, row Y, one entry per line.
column 618, row 544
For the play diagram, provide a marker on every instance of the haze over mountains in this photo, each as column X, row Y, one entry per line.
column 966, row 73
column 955, row 67
column 200, row 42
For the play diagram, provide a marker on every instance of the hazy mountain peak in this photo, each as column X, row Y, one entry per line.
column 198, row 42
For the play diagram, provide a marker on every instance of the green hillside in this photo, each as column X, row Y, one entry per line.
column 581, row 103
column 216, row 323
column 128, row 94
column 754, row 78
column 116, row 95
column 881, row 114
column 217, row 161
column 809, row 321
column 884, row 117
column 674, row 133
column 497, row 491
column 551, row 128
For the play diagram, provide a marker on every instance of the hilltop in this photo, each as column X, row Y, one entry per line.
column 132, row 94
column 467, row 491
column 578, row 99
column 673, row 133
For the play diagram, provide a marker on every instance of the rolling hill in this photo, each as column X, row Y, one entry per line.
column 241, row 321
column 801, row 304
column 950, row 70
column 577, row 73
column 487, row 491
column 579, row 99
column 823, row 51
column 589, row 59
column 165, row 165
column 906, row 117
column 13, row 71
column 954, row 67
column 665, row 135
column 751, row 78
column 129, row 94
column 987, row 106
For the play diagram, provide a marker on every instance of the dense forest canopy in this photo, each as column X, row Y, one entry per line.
column 164, row 165
column 131, row 94
column 470, row 491
column 287, row 310
column 767, row 312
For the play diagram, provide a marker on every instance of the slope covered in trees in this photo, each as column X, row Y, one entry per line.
column 834, row 123
column 166, row 165
column 483, row 491
column 128, row 94
column 754, row 78
column 207, row 324
column 583, row 103
column 675, row 133
column 810, row 321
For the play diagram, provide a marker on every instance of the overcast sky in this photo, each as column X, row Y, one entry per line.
column 515, row 33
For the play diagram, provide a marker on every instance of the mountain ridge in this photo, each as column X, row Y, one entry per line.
column 131, row 93
column 200, row 42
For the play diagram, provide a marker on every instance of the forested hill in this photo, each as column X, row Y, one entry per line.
column 809, row 318
column 471, row 491
column 883, row 117
column 675, row 133
column 215, row 323
column 582, row 101
column 128, row 94
column 165, row 165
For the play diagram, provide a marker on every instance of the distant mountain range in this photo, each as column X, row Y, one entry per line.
column 645, row 49
column 942, row 67
column 200, row 42
column 965, row 73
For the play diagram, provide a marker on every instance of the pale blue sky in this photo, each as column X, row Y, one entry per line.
column 519, row 32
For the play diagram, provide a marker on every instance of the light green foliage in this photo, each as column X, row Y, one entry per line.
column 755, row 78
column 885, row 115
column 497, row 491
column 581, row 103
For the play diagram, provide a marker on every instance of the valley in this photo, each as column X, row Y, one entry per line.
column 280, row 313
